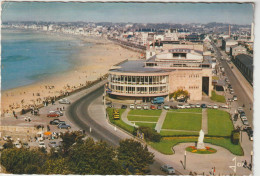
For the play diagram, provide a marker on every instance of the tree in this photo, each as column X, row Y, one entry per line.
column 69, row 138
column 180, row 94
column 94, row 158
column 57, row 166
column 134, row 156
column 235, row 137
column 150, row 134
column 22, row 161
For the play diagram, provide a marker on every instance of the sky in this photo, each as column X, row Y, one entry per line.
column 182, row 13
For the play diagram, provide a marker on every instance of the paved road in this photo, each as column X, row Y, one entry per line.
column 78, row 114
column 243, row 97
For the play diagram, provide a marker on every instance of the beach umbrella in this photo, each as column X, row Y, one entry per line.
column 47, row 133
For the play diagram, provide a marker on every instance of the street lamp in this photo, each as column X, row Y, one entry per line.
column 252, row 157
column 241, row 132
column 185, row 159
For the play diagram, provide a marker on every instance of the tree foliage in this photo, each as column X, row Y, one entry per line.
column 134, row 156
column 150, row 134
column 180, row 94
column 22, row 161
column 77, row 156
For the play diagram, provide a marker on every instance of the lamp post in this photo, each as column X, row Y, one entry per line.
column 185, row 159
column 241, row 130
column 252, row 157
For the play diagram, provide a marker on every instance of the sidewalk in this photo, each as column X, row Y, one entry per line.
column 204, row 124
column 160, row 121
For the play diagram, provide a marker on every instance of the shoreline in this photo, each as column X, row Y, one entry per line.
column 91, row 63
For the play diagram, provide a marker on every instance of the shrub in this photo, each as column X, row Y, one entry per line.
column 150, row 134
column 235, row 137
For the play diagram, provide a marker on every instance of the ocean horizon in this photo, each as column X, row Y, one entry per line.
column 29, row 56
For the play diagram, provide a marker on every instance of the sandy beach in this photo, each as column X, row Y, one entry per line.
column 92, row 62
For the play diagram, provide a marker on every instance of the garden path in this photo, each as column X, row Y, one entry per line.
column 159, row 124
column 124, row 117
column 179, row 130
column 204, row 124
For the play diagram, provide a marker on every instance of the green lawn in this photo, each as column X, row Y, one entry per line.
column 165, row 146
column 197, row 110
column 119, row 122
column 219, row 123
column 226, row 143
column 142, row 118
column 178, row 133
column 217, row 98
column 151, row 125
column 145, row 112
column 182, row 121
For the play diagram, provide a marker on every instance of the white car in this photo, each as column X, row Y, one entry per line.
column 64, row 101
column 215, row 106
column 209, row 106
column 235, row 98
column 17, row 144
column 192, row 105
column 224, row 106
column 166, row 107
column 180, row 106
column 187, row 106
column 168, row 169
column 197, row 105
column 232, row 92
column 146, row 106
column 41, row 144
column 138, row 106
column 132, row 106
column 5, row 138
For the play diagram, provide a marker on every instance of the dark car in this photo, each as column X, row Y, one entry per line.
column 173, row 107
column 235, row 117
column 109, row 104
column 64, row 126
column 203, row 106
column 123, row 107
column 55, row 122
column 182, row 100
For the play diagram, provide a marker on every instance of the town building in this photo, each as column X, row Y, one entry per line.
column 236, row 50
column 245, row 64
column 227, row 43
column 170, row 68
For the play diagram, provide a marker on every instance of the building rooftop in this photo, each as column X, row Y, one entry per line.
column 136, row 66
column 246, row 60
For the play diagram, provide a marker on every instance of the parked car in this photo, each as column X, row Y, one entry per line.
column 57, row 112
column 145, row 107
column 61, row 123
column 138, row 106
column 192, row 105
column 235, row 98
column 231, row 92
column 209, row 106
column 224, row 106
column 197, row 105
column 53, row 114
column 18, row 144
column 123, row 107
column 132, row 106
column 168, row 169
column 159, row 107
column 64, row 126
column 240, row 109
column 41, row 144
column 173, row 107
column 26, row 145
column 251, row 137
column 230, row 99
column 235, row 117
column 55, row 122
column 166, row 107
column 180, row 106
column 215, row 106
column 6, row 138
column 52, row 144
column 153, row 107
column 187, row 106
column 109, row 104
column 203, row 106
column 64, row 101
column 245, row 121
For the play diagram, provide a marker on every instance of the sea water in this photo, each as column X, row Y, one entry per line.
column 29, row 56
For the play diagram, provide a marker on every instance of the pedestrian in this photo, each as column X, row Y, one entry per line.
column 250, row 166
column 245, row 163
column 14, row 113
column 29, row 120
column 63, row 108
column 60, row 109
